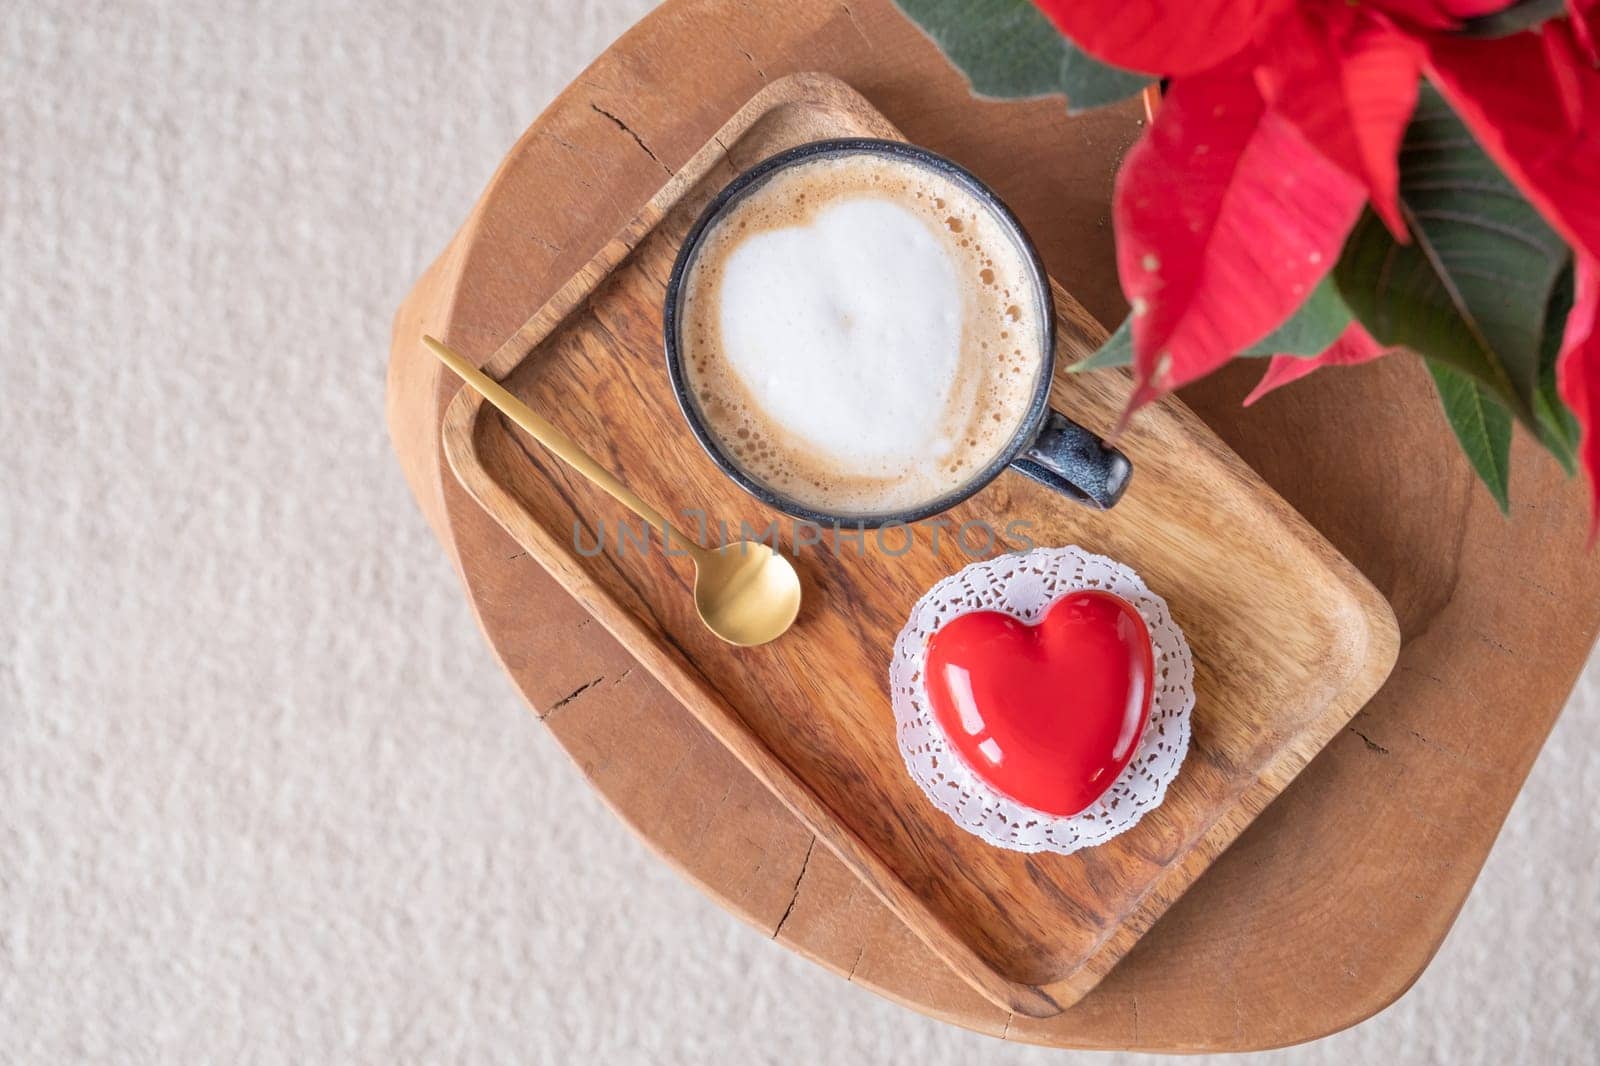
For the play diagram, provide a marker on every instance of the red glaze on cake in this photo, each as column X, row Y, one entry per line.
column 1047, row 714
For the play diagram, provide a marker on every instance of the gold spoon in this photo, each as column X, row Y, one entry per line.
column 746, row 593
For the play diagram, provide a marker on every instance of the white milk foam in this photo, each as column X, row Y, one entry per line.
column 861, row 334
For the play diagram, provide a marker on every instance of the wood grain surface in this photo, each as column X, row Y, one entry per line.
column 1289, row 640
column 1333, row 901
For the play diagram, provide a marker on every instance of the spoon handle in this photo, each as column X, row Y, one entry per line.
column 543, row 431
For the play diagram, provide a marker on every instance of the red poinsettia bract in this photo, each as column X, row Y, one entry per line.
column 1355, row 345
column 1254, row 200
column 1283, row 118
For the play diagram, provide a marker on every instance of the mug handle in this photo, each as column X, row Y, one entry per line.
column 1076, row 463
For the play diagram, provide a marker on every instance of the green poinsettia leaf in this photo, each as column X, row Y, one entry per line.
column 1471, row 289
column 1522, row 15
column 1308, row 332
column 1116, row 351
column 1008, row 49
column 1482, row 425
column 1557, row 428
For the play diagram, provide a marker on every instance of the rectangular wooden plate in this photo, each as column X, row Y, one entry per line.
column 1289, row 640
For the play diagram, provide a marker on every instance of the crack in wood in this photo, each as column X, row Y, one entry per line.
column 1408, row 668
column 705, row 828
column 851, row 15
column 1371, row 744
column 569, row 697
column 549, row 246
column 625, row 128
column 748, row 58
column 860, row 954
column 1485, row 638
column 1458, row 757
column 796, row 895
column 558, row 139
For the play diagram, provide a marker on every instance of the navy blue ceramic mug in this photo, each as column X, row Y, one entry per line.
column 1046, row 446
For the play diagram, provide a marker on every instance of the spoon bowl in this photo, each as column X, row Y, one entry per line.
column 746, row 593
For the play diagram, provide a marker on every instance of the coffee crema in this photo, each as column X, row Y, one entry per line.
column 861, row 334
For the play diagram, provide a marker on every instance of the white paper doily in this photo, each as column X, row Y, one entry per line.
column 1024, row 586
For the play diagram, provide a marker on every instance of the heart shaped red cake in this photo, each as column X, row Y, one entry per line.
column 1047, row 714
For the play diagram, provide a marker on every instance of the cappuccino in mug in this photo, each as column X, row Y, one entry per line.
column 862, row 335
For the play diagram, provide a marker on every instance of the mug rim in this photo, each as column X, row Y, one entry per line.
column 1028, row 427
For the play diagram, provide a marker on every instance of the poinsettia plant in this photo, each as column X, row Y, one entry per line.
column 1330, row 181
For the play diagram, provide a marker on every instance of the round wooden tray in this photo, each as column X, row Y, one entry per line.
column 1332, row 903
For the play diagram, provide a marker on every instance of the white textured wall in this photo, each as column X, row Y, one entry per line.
column 263, row 794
